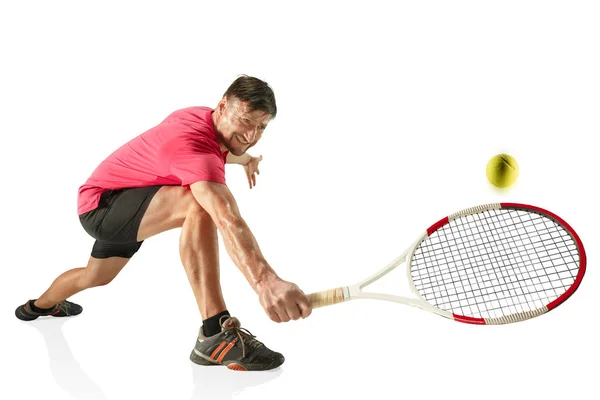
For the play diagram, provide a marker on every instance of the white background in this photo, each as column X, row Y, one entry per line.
column 387, row 117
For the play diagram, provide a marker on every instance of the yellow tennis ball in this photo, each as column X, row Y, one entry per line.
column 502, row 170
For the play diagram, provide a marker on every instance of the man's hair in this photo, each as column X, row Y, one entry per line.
column 256, row 93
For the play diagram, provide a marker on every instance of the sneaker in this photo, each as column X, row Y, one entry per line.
column 234, row 347
column 63, row 309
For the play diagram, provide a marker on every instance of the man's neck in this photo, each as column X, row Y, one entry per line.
column 217, row 133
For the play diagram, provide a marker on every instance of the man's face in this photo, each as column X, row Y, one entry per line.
column 238, row 126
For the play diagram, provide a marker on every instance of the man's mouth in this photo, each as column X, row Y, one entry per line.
column 242, row 141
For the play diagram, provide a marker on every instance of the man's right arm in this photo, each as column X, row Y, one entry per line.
column 277, row 297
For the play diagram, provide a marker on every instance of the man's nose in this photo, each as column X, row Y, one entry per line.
column 251, row 134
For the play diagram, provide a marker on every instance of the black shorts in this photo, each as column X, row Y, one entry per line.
column 115, row 222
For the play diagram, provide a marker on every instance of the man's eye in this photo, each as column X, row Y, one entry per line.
column 246, row 120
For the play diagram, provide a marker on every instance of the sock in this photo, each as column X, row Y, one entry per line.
column 39, row 310
column 211, row 326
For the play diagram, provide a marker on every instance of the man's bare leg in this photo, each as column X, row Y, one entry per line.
column 98, row 272
column 198, row 244
column 199, row 252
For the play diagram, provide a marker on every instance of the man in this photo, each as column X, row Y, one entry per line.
column 171, row 176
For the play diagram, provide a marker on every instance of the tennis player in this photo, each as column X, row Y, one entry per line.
column 173, row 176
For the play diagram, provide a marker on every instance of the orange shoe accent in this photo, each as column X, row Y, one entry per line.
column 226, row 350
column 236, row 367
column 214, row 353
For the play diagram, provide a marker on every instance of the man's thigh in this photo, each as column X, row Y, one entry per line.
column 167, row 210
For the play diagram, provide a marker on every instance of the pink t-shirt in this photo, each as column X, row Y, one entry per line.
column 181, row 150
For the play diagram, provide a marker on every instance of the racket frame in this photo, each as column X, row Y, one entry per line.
column 355, row 291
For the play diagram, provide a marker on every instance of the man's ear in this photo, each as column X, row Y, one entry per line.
column 222, row 105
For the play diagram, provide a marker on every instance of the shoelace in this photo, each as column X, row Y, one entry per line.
column 246, row 338
column 64, row 307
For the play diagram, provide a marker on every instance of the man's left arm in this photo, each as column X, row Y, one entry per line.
column 250, row 165
column 242, row 160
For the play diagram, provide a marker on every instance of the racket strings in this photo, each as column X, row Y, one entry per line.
column 495, row 263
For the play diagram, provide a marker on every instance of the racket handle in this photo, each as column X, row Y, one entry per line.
column 326, row 297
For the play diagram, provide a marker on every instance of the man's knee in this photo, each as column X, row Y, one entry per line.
column 187, row 203
column 92, row 278
column 102, row 281
column 193, row 208
column 101, row 272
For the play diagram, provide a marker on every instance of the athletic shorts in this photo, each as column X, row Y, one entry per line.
column 115, row 222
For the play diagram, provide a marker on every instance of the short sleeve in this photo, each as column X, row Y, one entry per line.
column 196, row 163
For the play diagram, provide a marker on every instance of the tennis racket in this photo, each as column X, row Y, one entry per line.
column 490, row 264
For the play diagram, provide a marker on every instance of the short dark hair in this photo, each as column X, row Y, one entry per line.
column 257, row 93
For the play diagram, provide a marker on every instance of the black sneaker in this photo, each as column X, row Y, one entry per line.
column 63, row 309
column 234, row 347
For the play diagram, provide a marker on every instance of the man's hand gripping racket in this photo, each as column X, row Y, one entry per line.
column 491, row 264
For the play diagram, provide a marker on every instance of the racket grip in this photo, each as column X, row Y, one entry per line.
column 326, row 297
